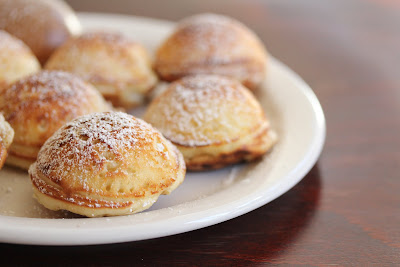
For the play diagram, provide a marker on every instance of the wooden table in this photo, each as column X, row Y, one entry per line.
column 346, row 211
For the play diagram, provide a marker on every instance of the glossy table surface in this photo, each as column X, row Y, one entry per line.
column 346, row 211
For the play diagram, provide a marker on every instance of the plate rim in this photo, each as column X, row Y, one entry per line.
column 10, row 225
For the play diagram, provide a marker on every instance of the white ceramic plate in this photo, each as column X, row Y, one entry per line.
column 204, row 198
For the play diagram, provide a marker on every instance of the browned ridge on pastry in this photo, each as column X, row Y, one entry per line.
column 214, row 121
column 118, row 67
column 212, row 44
column 42, row 24
column 40, row 104
column 106, row 164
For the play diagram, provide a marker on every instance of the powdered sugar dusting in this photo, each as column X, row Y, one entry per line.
column 100, row 144
column 52, row 90
column 209, row 34
column 40, row 104
column 86, row 55
column 50, row 84
column 203, row 109
column 118, row 67
column 210, row 38
column 111, row 132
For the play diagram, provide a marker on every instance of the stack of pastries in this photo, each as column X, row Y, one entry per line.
column 84, row 156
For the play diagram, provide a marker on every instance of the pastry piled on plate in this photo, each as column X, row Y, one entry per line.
column 212, row 44
column 213, row 120
column 6, row 137
column 118, row 67
column 38, row 105
column 16, row 60
column 84, row 158
column 105, row 164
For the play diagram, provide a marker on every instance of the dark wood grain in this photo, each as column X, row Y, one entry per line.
column 346, row 211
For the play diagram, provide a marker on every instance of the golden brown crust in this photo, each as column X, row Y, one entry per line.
column 106, row 164
column 40, row 104
column 206, row 158
column 212, row 44
column 214, row 121
column 42, row 24
column 118, row 67
column 16, row 60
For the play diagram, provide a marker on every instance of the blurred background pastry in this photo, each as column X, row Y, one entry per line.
column 16, row 60
column 42, row 24
column 38, row 105
column 106, row 164
column 6, row 138
column 118, row 67
column 214, row 121
column 212, row 44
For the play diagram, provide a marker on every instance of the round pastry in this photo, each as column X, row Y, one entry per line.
column 40, row 104
column 6, row 137
column 106, row 164
column 119, row 68
column 42, row 24
column 16, row 60
column 214, row 121
column 212, row 44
